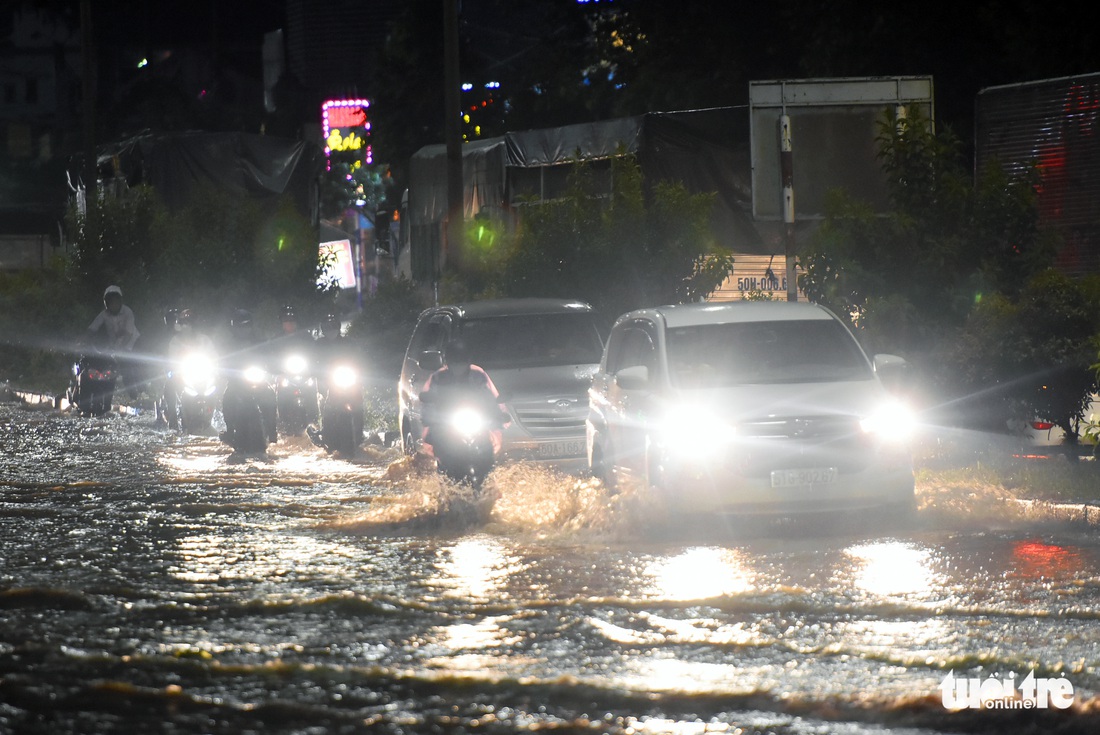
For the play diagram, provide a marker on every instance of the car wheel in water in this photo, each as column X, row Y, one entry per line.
column 655, row 480
column 601, row 468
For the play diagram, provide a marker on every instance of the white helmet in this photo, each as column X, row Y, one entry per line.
column 112, row 289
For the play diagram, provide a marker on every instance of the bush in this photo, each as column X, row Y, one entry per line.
column 1026, row 358
column 38, row 325
column 642, row 246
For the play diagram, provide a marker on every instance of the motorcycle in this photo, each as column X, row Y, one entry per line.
column 92, row 386
column 193, row 385
column 341, row 428
column 461, row 440
column 296, row 394
column 248, row 407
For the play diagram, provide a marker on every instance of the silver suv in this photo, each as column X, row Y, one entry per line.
column 540, row 353
column 767, row 407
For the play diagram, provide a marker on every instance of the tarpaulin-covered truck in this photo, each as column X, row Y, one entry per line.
column 706, row 150
column 176, row 164
column 1052, row 125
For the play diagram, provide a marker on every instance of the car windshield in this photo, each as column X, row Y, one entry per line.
column 807, row 351
column 533, row 340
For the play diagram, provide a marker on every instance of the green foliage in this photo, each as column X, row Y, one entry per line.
column 348, row 184
column 1028, row 357
column 36, row 328
column 957, row 275
column 113, row 237
column 218, row 253
column 617, row 253
column 910, row 277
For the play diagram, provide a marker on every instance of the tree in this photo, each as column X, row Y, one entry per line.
column 217, row 253
column 911, row 276
column 1025, row 358
column 957, row 277
column 618, row 253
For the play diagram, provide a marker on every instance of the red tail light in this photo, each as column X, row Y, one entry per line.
column 1042, row 425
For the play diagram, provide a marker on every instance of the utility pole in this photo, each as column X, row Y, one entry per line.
column 452, row 130
column 87, row 89
column 786, row 168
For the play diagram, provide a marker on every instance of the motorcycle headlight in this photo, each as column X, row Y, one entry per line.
column 197, row 369
column 892, row 421
column 255, row 374
column 295, row 364
column 468, row 421
column 344, row 376
column 695, row 431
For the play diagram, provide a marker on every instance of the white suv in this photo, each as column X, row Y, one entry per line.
column 541, row 355
column 748, row 407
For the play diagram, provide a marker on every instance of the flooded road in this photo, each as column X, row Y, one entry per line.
column 149, row 585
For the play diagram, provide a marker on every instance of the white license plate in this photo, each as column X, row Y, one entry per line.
column 804, row 477
column 555, row 450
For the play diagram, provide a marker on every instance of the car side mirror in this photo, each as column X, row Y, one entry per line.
column 633, row 378
column 430, row 360
column 892, row 370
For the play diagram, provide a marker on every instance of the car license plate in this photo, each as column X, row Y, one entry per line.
column 804, row 477
column 556, row 450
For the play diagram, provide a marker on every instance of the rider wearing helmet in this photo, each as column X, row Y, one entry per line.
column 186, row 340
column 330, row 325
column 113, row 330
column 115, row 324
column 246, row 350
column 457, row 381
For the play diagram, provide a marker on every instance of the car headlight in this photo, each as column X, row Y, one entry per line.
column 892, row 421
column 695, row 431
column 295, row 364
column 255, row 374
column 344, row 376
column 468, row 421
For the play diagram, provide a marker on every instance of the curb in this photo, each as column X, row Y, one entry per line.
column 1084, row 514
column 37, row 399
column 61, row 403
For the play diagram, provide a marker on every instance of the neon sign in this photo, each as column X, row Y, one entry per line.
column 346, row 127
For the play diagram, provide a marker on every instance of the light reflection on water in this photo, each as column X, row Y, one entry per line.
column 475, row 568
column 891, row 568
column 698, row 574
column 310, row 580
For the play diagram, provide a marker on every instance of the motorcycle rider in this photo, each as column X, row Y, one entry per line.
column 331, row 333
column 185, row 339
column 116, row 322
column 460, row 381
column 296, row 398
column 332, row 345
column 332, row 351
column 115, row 330
column 246, row 348
column 292, row 337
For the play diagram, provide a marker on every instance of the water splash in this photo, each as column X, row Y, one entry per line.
column 520, row 499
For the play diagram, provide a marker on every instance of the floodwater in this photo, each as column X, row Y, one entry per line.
column 148, row 585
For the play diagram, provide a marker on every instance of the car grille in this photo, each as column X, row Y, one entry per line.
column 553, row 416
column 803, row 442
